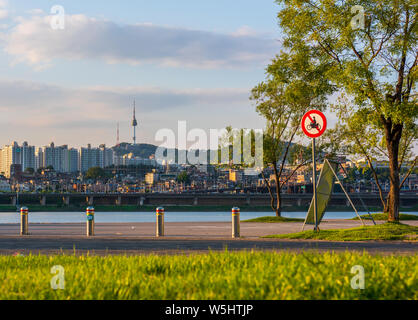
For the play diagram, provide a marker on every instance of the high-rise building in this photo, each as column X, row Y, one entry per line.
column 95, row 157
column 48, row 156
column 39, row 158
column 28, row 156
column 10, row 155
column 73, row 160
column 67, row 159
column 61, row 158
column 86, row 158
column 106, row 156
column 13, row 154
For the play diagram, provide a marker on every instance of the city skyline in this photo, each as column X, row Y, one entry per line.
column 203, row 66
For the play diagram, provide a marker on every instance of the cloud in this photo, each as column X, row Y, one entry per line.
column 4, row 12
column 36, row 12
column 34, row 42
column 48, row 100
column 40, row 113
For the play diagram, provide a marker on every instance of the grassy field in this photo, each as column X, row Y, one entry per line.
column 384, row 217
column 274, row 220
column 232, row 276
column 387, row 231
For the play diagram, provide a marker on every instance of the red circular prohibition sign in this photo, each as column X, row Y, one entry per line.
column 314, row 124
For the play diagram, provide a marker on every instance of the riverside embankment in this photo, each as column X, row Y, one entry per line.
column 189, row 202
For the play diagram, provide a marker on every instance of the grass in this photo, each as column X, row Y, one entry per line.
column 274, row 220
column 384, row 217
column 214, row 276
column 387, row 231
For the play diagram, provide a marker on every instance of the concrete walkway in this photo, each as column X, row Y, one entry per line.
column 139, row 238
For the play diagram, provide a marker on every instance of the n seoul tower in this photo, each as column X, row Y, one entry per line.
column 134, row 124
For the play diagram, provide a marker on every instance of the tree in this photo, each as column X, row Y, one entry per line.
column 95, row 173
column 183, row 177
column 293, row 86
column 372, row 57
column 369, row 143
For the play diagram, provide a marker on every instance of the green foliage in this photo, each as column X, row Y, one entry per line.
column 387, row 231
column 372, row 66
column 95, row 173
column 293, row 85
column 384, row 217
column 215, row 276
column 183, row 177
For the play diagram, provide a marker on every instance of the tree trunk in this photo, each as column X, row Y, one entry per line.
column 394, row 200
column 279, row 202
column 386, row 208
column 278, row 193
column 394, row 193
column 272, row 199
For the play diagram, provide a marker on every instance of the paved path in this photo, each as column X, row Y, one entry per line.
column 138, row 238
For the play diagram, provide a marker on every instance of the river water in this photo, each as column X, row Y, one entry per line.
column 115, row 217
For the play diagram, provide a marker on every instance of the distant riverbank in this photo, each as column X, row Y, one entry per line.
column 150, row 208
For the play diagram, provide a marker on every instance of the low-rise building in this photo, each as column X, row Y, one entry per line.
column 152, row 178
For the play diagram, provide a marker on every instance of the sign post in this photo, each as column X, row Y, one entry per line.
column 314, row 125
column 315, row 198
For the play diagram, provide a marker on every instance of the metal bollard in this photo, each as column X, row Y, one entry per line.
column 236, row 222
column 24, row 228
column 90, row 221
column 160, row 222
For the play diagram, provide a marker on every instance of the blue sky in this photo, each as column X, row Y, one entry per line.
column 213, row 16
column 181, row 60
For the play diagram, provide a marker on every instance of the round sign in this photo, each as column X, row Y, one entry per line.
column 314, row 123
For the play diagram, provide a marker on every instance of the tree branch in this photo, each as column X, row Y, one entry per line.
column 270, row 192
column 409, row 173
column 371, row 168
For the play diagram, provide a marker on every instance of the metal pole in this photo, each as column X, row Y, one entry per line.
column 346, row 194
column 314, row 185
column 24, row 228
column 361, row 199
column 236, row 222
column 90, row 221
column 160, row 222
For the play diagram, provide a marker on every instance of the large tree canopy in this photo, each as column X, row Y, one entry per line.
column 293, row 85
column 370, row 48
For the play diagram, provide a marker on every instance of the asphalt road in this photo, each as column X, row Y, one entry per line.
column 139, row 238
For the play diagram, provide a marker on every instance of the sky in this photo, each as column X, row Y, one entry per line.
column 183, row 60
